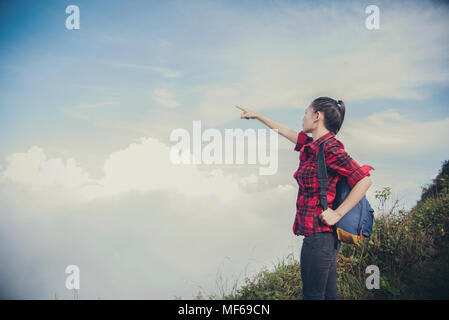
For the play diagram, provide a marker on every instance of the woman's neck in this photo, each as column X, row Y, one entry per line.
column 319, row 132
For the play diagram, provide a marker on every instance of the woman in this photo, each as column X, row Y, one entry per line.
column 323, row 119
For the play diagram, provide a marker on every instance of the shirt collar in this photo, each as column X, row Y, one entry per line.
column 314, row 144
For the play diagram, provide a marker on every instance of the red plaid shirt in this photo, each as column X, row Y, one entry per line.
column 338, row 164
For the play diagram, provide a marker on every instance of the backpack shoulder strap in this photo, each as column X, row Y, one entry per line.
column 322, row 176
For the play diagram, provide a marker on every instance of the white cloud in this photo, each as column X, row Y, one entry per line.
column 143, row 166
column 33, row 168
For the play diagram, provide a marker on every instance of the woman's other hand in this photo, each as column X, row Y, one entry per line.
column 329, row 217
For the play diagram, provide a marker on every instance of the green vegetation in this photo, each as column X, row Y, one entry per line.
column 410, row 248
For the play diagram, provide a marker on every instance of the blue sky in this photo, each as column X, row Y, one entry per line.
column 108, row 95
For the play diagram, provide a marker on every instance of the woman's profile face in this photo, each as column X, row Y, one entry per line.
column 307, row 121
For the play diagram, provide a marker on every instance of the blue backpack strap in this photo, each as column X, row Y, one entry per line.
column 322, row 176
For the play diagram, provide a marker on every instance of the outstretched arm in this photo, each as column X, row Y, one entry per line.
column 283, row 130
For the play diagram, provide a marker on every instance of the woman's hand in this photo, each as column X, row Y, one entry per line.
column 329, row 217
column 247, row 114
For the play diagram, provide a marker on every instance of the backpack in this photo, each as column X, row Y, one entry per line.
column 358, row 222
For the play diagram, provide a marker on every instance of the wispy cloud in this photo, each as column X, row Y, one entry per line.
column 97, row 104
column 392, row 133
column 365, row 65
column 72, row 113
column 165, row 72
column 164, row 97
column 79, row 111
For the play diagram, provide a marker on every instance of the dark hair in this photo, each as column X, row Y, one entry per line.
column 334, row 112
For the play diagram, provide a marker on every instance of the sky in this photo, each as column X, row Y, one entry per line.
column 86, row 117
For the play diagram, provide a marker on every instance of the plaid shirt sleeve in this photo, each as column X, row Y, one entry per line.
column 339, row 160
column 303, row 139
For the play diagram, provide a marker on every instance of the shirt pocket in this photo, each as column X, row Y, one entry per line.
column 307, row 178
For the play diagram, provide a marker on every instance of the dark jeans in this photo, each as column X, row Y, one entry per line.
column 319, row 266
